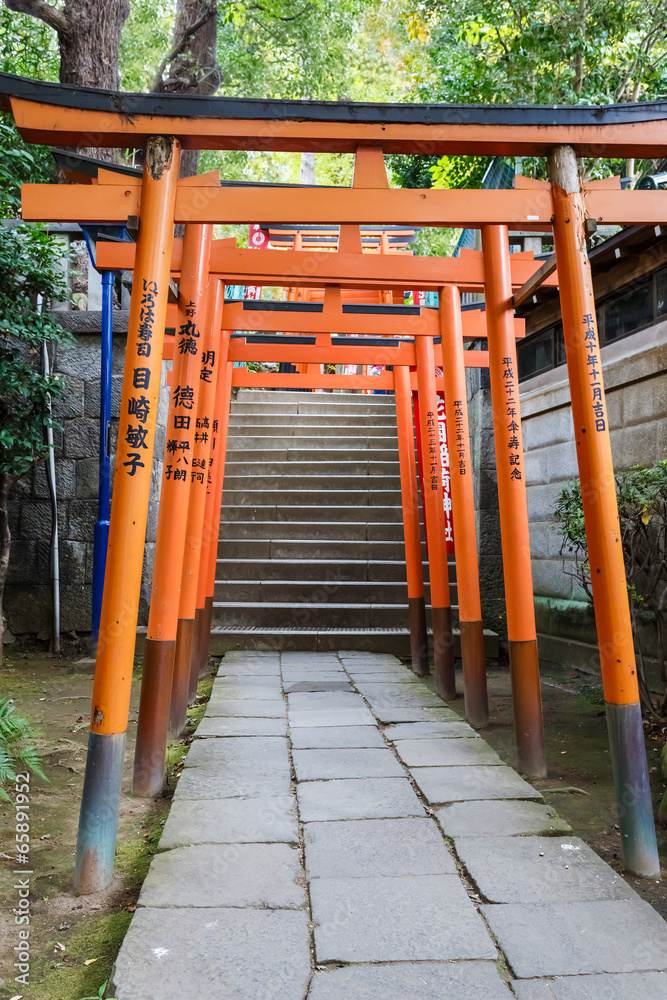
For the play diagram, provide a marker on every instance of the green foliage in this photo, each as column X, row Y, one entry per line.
column 540, row 52
column 16, row 750
column 459, row 171
column 145, row 39
column 99, row 994
column 20, row 163
column 29, row 268
column 27, row 46
column 642, row 509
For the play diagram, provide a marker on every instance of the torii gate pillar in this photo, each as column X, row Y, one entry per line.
column 598, row 492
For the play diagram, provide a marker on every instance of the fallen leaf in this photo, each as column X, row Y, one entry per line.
column 59, row 945
column 131, row 909
column 19, row 996
column 89, row 961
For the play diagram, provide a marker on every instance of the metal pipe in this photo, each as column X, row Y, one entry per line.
column 101, row 529
column 54, row 556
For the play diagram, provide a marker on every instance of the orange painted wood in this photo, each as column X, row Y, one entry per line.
column 313, row 269
column 132, row 479
column 46, row 123
column 179, row 444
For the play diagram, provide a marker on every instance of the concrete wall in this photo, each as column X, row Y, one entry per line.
column 635, row 375
column 27, row 602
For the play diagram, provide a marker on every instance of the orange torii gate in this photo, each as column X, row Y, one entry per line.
column 162, row 124
column 284, row 316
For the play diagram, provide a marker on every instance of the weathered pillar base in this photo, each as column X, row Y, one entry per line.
column 100, row 804
column 194, row 656
column 633, row 791
column 180, row 687
column 205, row 638
column 418, row 636
column 443, row 653
column 527, row 703
column 153, row 724
column 473, row 660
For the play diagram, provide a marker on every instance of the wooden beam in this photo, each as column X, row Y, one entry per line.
column 535, row 281
column 314, row 269
column 305, row 206
column 425, row 130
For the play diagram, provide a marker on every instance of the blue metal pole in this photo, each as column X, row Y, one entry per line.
column 101, row 532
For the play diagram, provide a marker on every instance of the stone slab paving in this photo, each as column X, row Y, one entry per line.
column 231, row 821
column 405, row 919
column 437, row 752
column 236, row 954
column 432, row 870
column 624, row 986
column 342, row 737
column 260, row 875
column 500, row 818
column 539, row 869
column 575, row 939
column 412, row 981
column 319, row 765
column 374, row 847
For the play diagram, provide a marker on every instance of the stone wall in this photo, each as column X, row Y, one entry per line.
column 27, row 602
column 635, row 375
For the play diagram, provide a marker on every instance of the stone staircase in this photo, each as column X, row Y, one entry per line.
column 311, row 543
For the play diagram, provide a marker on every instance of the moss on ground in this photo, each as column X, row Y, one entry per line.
column 68, row 977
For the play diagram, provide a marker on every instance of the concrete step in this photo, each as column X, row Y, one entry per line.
column 351, row 432
column 261, row 396
column 308, row 512
column 322, row 485
column 316, row 569
column 307, row 531
column 314, row 445
column 320, row 498
column 340, row 589
column 311, row 468
column 376, row 640
column 319, row 615
column 313, row 407
column 341, row 420
column 304, row 549
column 298, row 454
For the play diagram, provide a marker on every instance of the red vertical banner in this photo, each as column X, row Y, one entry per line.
column 444, row 462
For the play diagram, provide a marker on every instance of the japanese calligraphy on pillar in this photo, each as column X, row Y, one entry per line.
column 138, row 404
column 512, row 413
column 445, row 466
column 594, row 372
column 202, row 460
column 459, row 438
column 181, row 430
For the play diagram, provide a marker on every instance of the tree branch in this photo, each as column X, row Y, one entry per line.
column 178, row 46
column 43, row 12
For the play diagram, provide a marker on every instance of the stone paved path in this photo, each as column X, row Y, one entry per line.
column 339, row 834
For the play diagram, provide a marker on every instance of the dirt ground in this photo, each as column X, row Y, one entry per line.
column 66, row 931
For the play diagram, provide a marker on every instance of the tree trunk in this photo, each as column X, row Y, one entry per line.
column 5, row 543
column 191, row 67
column 89, row 38
column 89, row 48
